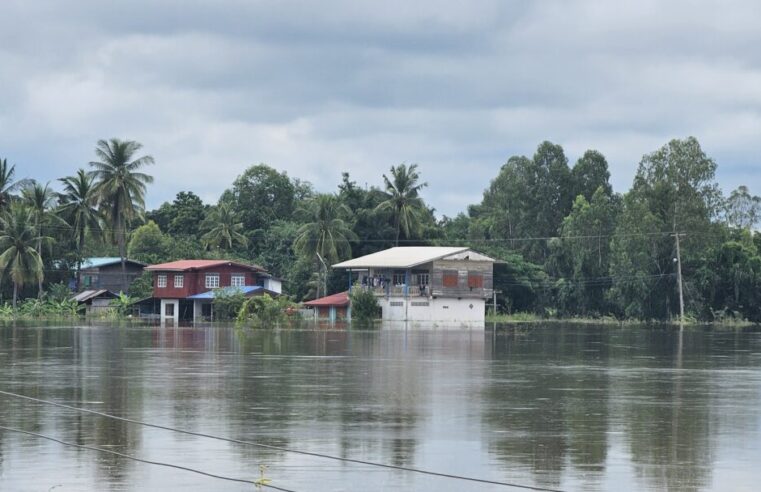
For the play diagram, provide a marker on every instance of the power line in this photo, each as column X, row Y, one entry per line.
column 141, row 460
column 283, row 449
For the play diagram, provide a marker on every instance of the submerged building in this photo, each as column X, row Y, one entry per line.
column 186, row 288
column 426, row 283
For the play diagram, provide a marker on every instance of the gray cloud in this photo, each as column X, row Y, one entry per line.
column 315, row 88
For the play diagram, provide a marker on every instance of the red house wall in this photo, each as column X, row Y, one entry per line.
column 195, row 281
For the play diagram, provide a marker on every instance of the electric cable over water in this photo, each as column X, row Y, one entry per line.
column 279, row 448
column 141, row 460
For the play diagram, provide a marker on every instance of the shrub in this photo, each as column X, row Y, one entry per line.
column 266, row 310
column 364, row 304
column 227, row 303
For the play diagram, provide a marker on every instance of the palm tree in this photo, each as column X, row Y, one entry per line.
column 120, row 187
column 326, row 235
column 78, row 207
column 226, row 230
column 403, row 199
column 7, row 183
column 41, row 201
column 18, row 243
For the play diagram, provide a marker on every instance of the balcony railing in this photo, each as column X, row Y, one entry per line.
column 398, row 290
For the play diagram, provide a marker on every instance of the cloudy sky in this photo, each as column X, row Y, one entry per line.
column 315, row 88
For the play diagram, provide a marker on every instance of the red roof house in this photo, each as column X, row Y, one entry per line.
column 188, row 286
column 336, row 306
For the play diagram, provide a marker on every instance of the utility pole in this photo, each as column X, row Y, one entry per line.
column 679, row 281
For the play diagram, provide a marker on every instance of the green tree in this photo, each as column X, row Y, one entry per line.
column 403, row 199
column 8, row 183
column 743, row 210
column 188, row 213
column 326, row 232
column 18, row 242
column 364, row 305
column 225, row 231
column 589, row 174
column 40, row 199
column 581, row 255
column 121, row 187
column 674, row 191
column 148, row 244
column 78, row 207
column 260, row 196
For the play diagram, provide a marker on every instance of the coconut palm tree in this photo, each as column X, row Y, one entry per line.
column 403, row 199
column 7, row 183
column 325, row 236
column 19, row 258
column 325, row 233
column 41, row 202
column 78, row 207
column 120, row 187
column 226, row 230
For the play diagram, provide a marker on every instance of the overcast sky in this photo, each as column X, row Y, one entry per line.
column 316, row 88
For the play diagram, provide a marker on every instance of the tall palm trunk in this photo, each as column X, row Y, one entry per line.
column 15, row 296
column 80, row 245
column 123, row 250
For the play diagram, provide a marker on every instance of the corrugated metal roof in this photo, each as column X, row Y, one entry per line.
column 245, row 290
column 401, row 257
column 86, row 295
column 340, row 299
column 100, row 261
column 185, row 265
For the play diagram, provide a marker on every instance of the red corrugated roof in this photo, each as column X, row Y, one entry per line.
column 340, row 299
column 184, row 265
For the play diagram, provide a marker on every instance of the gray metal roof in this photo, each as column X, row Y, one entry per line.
column 408, row 257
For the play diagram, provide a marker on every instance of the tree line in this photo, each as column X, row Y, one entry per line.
column 568, row 245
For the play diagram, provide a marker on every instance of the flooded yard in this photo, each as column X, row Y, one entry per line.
column 565, row 407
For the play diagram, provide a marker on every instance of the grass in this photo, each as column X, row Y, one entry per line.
column 523, row 317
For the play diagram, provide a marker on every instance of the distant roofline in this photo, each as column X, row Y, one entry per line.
column 390, row 258
column 176, row 266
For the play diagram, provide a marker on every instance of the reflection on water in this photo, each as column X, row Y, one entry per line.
column 571, row 407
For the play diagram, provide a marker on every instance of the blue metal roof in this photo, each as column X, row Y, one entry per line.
column 245, row 290
column 100, row 261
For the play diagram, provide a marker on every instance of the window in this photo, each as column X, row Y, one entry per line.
column 179, row 281
column 450, row 278
column 169, row 310
column 421, row 279
column 87, row 280
column 161, row 281
column 475, row 280
column 399, row 278
column 237, row 280
column 212, row 280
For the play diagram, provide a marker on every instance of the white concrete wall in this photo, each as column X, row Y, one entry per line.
column 440, row 310
column 176, row 316
column 273, row 284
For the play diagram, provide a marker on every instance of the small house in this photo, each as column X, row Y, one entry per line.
column 186, row 288
column 105, row 273
column 426, row 283
column 95, row 301
column 333, row 307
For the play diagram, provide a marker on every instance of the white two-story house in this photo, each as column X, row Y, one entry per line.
column 426, row 283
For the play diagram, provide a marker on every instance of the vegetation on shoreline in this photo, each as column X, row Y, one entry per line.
column 568, row 245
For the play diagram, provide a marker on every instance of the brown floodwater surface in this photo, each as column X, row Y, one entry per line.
column 571, row 407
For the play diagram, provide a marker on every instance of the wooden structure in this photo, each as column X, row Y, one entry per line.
column 105, row 273
column 186, row 288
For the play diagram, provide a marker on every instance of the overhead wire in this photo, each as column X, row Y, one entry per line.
column 284, row 449
column 150, row 462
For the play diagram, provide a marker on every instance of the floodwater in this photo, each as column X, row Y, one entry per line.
column 569, row 407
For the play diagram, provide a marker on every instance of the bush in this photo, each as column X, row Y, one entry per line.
column 227, row 303
column 364, row 304
column 266, row 310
